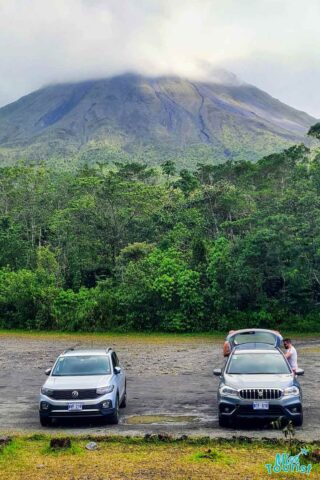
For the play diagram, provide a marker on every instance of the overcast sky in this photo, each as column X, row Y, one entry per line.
column 273, row 44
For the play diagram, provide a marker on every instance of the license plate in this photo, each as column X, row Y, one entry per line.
column 75, row 407
column 260, row 405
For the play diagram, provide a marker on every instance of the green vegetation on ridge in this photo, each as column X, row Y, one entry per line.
column 132, row 248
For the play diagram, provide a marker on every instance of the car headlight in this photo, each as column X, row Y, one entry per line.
column 104, row 390
column 46, row 391
column 229, row 391
column 292, row 391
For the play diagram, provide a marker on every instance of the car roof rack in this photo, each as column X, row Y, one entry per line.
column 71, row 349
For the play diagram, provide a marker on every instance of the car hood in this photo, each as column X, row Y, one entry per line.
column 78, row 383
column 258, row 381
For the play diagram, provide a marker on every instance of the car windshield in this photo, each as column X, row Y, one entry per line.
column 80, row 365
column 255, row 363
column 254, row 337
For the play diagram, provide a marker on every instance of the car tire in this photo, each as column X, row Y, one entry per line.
column 297, row 422
column 113, row 419
column 123, row 403
column 45, row 421
column 224, row 422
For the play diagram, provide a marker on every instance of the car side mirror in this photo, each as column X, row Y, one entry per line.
column 117, row 370
column 48, row 371
column 217, row 372
column 299, row 371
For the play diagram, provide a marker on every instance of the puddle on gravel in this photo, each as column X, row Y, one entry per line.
column 159, row 419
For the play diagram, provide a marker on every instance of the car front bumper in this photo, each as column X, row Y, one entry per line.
column 50, row 408
column 236, row 407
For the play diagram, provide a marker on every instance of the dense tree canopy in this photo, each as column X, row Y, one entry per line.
column 133, row 247
column 314, row 131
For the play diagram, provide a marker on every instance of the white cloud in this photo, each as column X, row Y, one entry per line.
column 273, row 43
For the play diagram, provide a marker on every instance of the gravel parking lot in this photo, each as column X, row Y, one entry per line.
column 170, row 386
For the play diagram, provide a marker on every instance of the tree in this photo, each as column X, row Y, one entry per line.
column 314, row 131
column 187, row 182
column 168, row 168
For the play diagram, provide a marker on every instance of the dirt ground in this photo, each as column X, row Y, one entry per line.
column 170, row 386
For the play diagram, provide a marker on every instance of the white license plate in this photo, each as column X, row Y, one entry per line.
column 260, row 405
column 74, row 407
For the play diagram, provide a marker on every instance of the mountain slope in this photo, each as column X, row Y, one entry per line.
column 147, row 118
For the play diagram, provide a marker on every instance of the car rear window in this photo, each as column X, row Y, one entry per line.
column 257, row 363
column 81, row 365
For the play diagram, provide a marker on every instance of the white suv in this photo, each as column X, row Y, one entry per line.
column 84, row 383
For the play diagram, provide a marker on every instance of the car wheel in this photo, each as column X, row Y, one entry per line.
column 224, row 421
column 45, row 421
column 297, row 422
column 114, row 418
column 123, row 403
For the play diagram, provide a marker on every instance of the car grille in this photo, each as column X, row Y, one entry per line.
column 260, row 393
column 70, row 395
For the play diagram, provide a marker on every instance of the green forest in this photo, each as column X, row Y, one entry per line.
column 132, row 247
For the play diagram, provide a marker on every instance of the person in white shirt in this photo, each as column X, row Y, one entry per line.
column 291, row 354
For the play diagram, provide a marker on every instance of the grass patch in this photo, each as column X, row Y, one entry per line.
column 163, row 419
column 10, row 450
column 99, row 337
column 75, row 449
column 310, row 349
column 140, row 458
column 37, row 437
column 150, row 337
column 212, row 456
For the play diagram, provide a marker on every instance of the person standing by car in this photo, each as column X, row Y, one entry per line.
column 291, row 354
column 226, row 346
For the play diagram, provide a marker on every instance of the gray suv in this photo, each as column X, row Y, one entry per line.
column 83, row 383
column 257, row 382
